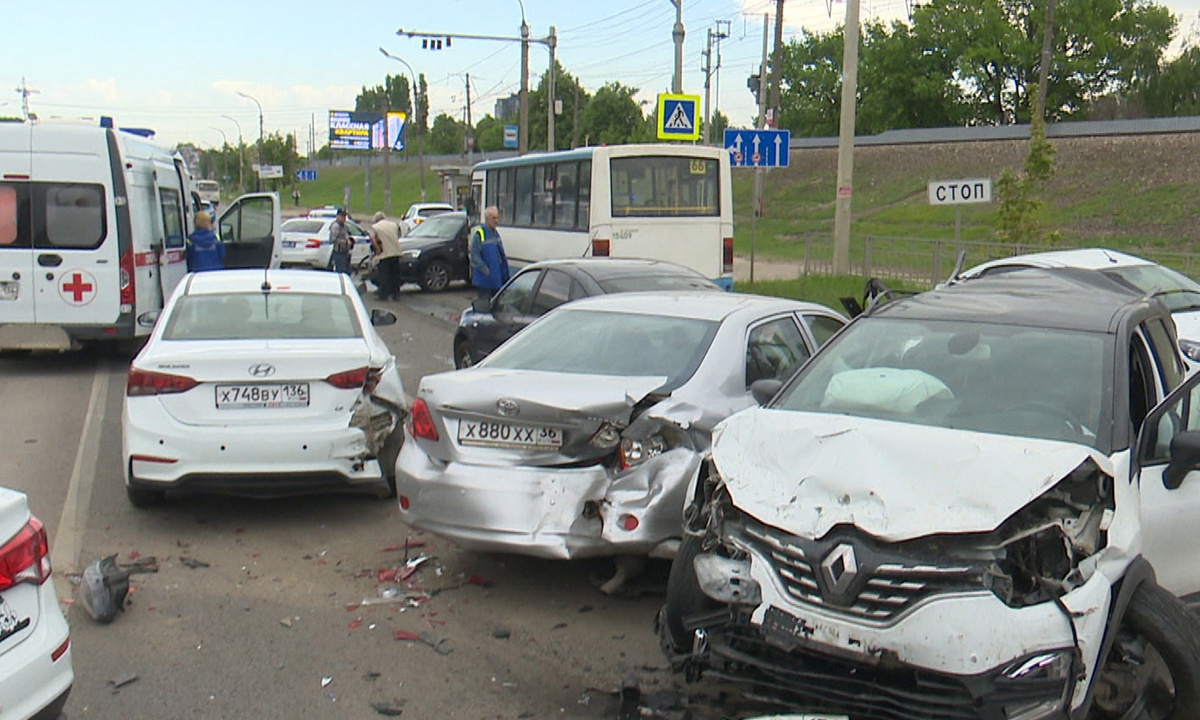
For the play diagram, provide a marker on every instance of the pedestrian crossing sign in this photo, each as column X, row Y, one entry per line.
column 678, row 118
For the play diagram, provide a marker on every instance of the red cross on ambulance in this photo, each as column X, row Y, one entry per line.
column 77, row 287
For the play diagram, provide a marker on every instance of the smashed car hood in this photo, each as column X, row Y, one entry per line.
column 808, row 472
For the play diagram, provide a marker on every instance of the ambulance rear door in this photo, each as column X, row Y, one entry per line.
column 16, row 240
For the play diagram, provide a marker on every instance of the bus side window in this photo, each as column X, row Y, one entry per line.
column 583, row 217
column 566, row 195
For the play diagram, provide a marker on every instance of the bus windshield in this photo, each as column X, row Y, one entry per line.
column 663, row 186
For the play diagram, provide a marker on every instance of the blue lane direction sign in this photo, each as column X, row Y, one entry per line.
column 758, row 148
column 306, row 175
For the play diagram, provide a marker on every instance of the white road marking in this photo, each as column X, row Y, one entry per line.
column 64, row 555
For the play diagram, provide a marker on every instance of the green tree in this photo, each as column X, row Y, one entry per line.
column 446, row 137
column 720, row 121
column 810, row 85
column 393, row 95
column 566, row 89
column 489, row 134
column 903, row 83
column 612, row 116
column 1175, row 89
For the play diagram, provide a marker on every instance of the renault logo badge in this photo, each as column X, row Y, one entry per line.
column 508, row 407
column 262, row 370
column 840, row 567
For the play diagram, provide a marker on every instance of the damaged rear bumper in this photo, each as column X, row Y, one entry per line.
column 560, row 512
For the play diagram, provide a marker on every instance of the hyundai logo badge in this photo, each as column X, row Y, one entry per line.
column 508, row 407
column 262, row 370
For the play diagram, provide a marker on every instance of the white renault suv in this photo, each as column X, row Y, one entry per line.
column 35, row 642
column 971, row 503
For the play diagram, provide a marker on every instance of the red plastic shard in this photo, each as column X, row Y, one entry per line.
column 406, row 635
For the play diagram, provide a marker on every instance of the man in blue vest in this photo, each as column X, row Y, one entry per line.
column 489, row 264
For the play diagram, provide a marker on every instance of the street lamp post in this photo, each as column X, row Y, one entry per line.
column 258, row 175
column 241, row 154
column 416, row 103
column 224, row 142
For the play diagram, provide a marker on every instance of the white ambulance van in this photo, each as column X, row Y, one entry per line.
column 93, row 224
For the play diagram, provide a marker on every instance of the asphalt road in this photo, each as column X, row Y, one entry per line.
column 262, row 609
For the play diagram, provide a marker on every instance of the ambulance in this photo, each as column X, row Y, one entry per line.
column 93, row 225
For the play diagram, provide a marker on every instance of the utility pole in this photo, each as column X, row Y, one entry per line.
column 762, row 123
column 523, row 114
column 718, row 36
column 387, row 149
column 25, row 91
column 575, row 121
column 706, row 66
column 677, row 33
column 470, row 126
column 776, row 62
column 845, row 164
column 1039, row 107
column 550, row 104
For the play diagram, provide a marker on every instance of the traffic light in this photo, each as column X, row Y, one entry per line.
column 754, row 83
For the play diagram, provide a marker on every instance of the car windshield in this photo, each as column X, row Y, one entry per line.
column 298, row 225
column 277, row 315
column 1002, row 379
column 590, row 342
column 1178, row 291
column 640, row 283
column 439, row 226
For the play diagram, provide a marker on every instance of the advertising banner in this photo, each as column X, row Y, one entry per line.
column 350, row 130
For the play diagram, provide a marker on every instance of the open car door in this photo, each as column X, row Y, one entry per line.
column 250, row 230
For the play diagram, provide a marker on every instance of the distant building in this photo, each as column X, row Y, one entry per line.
column 507, row 107
column 191, row 156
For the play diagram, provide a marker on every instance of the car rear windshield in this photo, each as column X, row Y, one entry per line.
column 302, row 226
column 1002, row 379
column 590, row 342
column 643, row 283
column 1178, row 291
column 277, row 315
column 443, row 225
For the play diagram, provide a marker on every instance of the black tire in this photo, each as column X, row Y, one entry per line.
column 1158, row 643
column 684, row 597
column 462, row 354
column 143, row 498
column 436, row 276
column 388, row 454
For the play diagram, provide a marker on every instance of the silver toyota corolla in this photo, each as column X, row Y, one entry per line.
column 579, row 436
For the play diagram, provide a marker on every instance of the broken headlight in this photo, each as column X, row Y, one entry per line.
column 635, row 451
column 1037, row 551
column 1043, row 678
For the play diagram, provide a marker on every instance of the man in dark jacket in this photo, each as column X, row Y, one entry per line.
column 205, row 251
column 489, row 263
column 339, row 237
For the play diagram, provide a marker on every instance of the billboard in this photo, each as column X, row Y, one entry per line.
column 350, row 130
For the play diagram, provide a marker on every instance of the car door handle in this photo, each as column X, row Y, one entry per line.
column 49, row 260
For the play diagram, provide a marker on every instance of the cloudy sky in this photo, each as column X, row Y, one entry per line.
column 178, row 67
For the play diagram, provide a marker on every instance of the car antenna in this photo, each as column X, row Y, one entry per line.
column 266, row 284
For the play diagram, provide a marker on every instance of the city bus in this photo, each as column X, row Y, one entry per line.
column 657, row 201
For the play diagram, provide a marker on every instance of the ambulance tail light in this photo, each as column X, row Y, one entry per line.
column 727, row 255
column 128, row 294
column 600, row 248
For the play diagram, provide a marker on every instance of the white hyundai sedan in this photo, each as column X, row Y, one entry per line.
column 35, row 643
column 262, row 383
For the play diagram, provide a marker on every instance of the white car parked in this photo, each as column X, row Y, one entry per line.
column 35, row 643
column 418, row 212
column 1180, row 293
column 262, row 383
column 306, row 242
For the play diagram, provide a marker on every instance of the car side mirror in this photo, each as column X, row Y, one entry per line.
column 1185, row 457
column 381, row 318
column 148, row 319
column 482, row 304
column 763, row 390
column 226, row 231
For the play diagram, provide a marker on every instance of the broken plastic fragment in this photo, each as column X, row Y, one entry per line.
column 406, row 635
column 481, row 582
column 325, row 681
column 123, row 679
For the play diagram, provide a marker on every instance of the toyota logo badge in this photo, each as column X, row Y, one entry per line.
column 262, row 370
column 508, row 407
